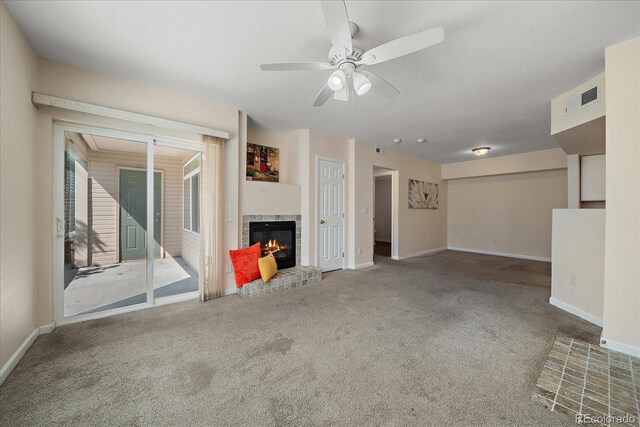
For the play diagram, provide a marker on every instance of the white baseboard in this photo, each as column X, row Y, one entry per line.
column 480, row 251
column 622, row 348
column 576, row 311
column 230, row 291
column 364, row 265
column 15, row 358
column 47, row 328
column 421, row 253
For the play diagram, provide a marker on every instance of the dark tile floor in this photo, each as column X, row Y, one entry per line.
column 591, row 384
column 382, row 249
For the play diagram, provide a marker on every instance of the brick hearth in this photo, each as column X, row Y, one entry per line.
column 289, row 278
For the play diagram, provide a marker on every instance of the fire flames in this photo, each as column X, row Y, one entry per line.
column 272, row 246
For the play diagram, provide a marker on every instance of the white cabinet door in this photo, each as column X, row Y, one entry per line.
column 330, row 214
column 592, row 178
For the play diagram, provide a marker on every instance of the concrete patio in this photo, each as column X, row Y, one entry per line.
column 111, row 286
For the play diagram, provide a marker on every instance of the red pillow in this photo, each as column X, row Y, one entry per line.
column 245, row 264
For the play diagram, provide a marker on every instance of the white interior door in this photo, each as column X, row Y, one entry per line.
column 330, row 214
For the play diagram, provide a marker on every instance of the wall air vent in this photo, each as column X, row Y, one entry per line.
column 582, row 100
column 589, row 96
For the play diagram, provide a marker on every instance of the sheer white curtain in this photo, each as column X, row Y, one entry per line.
column 210, row 219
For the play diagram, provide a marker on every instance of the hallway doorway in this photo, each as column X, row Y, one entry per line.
column 382, row 212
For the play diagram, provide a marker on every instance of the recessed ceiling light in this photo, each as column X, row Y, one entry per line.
column 397, row 140
column 481, row 151
column 421, row 140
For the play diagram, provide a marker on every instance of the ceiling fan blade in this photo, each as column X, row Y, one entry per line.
column 380, row 85
column 296, row 66
column 403, row 46
column 335, row 15
column 323, row 96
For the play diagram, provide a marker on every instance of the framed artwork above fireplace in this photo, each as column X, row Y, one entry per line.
column 263, row 163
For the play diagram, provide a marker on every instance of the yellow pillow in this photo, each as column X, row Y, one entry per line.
column 268, row 267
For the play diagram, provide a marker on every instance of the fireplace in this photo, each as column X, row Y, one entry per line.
column 277, row 238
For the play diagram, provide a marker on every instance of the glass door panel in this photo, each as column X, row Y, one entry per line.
column 176, row 221
column 105, row 223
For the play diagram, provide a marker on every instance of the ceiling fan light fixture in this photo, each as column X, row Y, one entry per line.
column 336, row 80
column 361, row 83
column 481, row 151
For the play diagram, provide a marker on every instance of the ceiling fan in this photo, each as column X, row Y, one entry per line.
column 349, row 61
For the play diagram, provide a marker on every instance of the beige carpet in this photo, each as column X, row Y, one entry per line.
column 446, row 339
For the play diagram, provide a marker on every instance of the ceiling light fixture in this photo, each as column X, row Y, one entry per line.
column 397, row 140
column 336, row 80
column 481, row 151
column 361, row 83
column 421, row 140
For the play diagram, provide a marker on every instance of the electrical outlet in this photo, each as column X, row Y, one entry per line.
column 227, row 267
column 365, row 210
column 359, row 251
column 573, row 279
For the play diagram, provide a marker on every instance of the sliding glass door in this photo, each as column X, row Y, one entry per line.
column 175, row 272
column 127, row 221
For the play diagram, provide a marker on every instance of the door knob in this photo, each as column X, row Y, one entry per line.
column 322, row 221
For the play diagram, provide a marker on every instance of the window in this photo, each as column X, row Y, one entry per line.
column 191, row 195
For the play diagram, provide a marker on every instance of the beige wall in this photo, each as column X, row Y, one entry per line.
column 418, row 230
column 561, row 121
column 103, row 173
column 506, row 214
column 382, row 209
column 577, row 269
column 288, row 145
column 622, row 242
column 269, row 198
column 20, row 250
column 503, row 204
column 573, row 181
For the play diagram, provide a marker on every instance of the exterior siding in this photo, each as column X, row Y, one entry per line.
column 103, row 187
column 191, row 249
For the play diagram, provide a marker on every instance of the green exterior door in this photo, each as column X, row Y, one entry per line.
column 133, row 214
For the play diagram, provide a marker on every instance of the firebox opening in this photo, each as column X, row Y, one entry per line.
column 277, row 238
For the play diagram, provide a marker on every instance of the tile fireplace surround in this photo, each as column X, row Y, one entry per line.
column 289, row 278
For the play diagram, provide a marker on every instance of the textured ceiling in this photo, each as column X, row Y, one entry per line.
column 488, row 83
